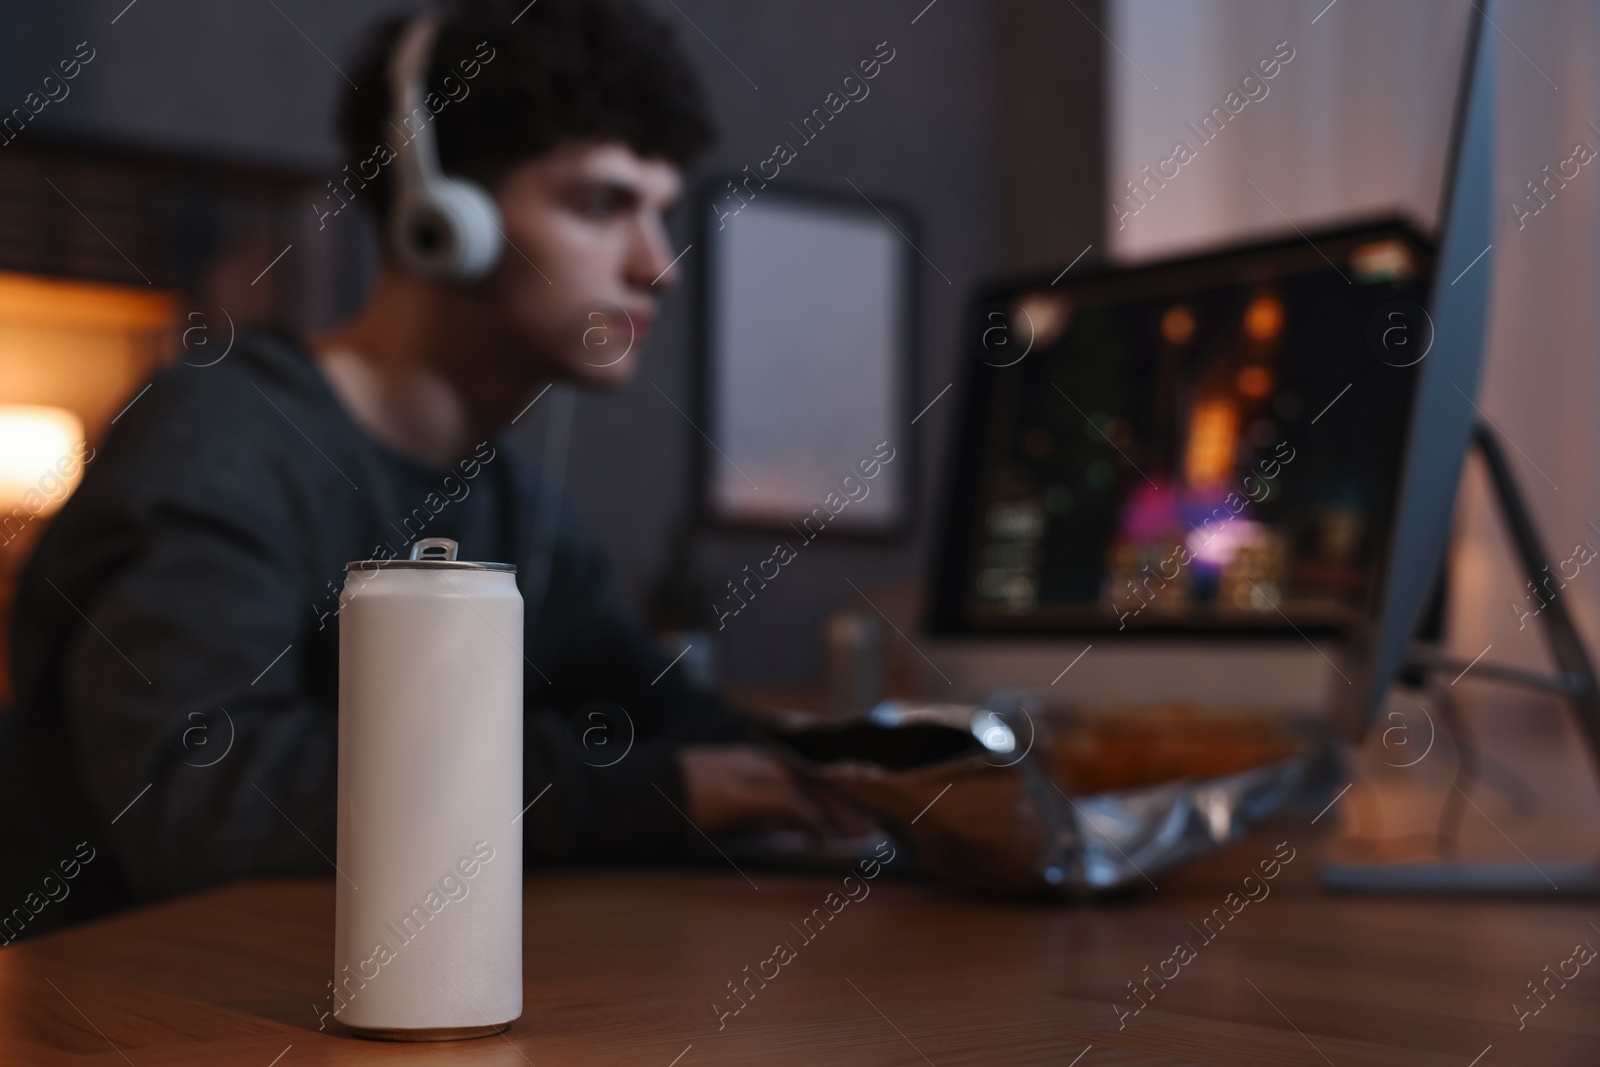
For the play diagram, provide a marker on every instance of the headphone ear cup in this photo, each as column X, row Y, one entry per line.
column 449, row 231
column 478, row 228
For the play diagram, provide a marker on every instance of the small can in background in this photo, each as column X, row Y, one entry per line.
column 428, row 916
column 853, row 651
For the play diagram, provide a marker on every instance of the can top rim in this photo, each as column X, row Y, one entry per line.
column 429, row 565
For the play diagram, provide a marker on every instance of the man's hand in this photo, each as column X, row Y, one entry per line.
column 741, row 788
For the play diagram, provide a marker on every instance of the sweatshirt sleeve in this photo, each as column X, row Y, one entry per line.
column 609, row 712
column 183, row 685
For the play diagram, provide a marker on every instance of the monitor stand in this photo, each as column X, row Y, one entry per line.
column 1574, row 680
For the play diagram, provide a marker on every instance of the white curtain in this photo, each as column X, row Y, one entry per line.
column 1355, row 125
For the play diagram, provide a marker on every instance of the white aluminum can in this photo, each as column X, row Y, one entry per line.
column 428, row 918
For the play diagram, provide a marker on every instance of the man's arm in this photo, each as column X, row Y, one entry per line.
column 184, row 581
column 691, row 766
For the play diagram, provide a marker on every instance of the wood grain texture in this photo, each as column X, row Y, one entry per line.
column 623, row 967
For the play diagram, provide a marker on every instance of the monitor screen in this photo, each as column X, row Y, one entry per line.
column 1209, row 444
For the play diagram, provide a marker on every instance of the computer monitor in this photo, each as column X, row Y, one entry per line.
column 1262, row 441
column 1445, row 412
column 1206, row 446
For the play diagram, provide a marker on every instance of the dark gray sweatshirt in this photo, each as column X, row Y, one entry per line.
column 197, row 569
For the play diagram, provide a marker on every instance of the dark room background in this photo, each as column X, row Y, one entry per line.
column 987, row 124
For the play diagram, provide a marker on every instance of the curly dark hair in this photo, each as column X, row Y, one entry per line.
column 561, row 71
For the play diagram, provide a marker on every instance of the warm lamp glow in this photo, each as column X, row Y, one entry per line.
column 1254, row 382
column 1213, row 439
column 1263, row 319
column 1177, row 325
column 40, row 457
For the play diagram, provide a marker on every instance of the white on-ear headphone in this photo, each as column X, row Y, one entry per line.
column 443, row 228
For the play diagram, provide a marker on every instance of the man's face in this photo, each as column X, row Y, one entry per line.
column 586, row 258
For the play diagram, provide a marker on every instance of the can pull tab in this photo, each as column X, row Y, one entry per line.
column 434, row 548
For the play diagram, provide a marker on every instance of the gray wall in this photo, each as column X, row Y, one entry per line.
column 987, row 124
column 925, row 137
column 234, row 78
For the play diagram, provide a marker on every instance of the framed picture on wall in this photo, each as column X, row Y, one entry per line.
column 808, row 309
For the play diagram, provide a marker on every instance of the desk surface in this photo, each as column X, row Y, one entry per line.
column 622, row 968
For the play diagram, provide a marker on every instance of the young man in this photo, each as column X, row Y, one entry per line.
column 177, row 630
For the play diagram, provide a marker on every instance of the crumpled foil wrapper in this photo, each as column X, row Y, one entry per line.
column 990, row 816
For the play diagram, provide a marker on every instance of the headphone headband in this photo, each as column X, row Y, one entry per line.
column 440, row 227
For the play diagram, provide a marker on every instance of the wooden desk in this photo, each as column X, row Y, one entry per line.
column 622, row 969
